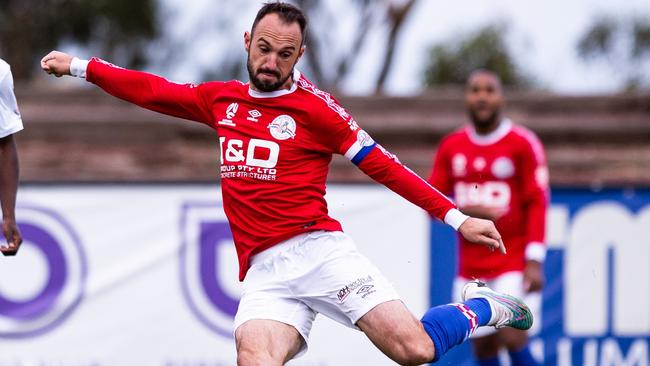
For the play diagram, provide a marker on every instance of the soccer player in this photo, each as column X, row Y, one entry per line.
column 10, row 123
column 277, row 135
column 497, row 170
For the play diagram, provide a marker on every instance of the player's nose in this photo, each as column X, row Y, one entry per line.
column 271, row 62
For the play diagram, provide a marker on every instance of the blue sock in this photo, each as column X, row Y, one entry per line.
column 522, row 357
column 450, row 325
column 494, row 361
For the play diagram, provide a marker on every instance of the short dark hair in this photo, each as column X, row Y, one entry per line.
column 288, row 13
column 485, row 72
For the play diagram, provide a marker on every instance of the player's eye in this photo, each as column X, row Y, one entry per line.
column 285, row 55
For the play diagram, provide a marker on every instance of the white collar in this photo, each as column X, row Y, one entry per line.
column 276, row 93
column 505, row 126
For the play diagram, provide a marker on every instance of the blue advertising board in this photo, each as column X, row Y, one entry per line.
column 596, row 302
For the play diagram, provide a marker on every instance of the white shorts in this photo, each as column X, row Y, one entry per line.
column 316, row 272
column 511, row 283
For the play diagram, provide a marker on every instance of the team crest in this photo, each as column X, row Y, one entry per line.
column 503, row 168
column 283, row 127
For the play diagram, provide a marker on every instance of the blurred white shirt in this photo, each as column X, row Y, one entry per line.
column 10, row 120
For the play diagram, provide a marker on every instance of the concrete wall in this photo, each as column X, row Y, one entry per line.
column 85, row 135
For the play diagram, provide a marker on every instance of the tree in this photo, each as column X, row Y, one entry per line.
column 397, row 13
column 486, row 48
column 116, row 29
column 326, row 53
column 336, row 37
column 623, row 44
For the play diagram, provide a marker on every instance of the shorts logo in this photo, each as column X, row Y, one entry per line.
column 366, row 290
column 360, row 282
column 52, row 268
column 283, row 127
column 209, row 266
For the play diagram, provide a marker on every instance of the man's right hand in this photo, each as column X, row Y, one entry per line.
column 56, row 63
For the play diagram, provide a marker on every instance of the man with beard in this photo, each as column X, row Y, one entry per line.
column 277, row 136
column 496, row 170
column 10, row 123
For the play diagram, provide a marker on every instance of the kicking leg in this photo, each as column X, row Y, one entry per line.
column 266, row 342
column 394, row 330
column 407, row 341
column 397, row 333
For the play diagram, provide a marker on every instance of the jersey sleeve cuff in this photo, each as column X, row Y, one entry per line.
column 78, row 67
column 536, row 251
column 455, row 218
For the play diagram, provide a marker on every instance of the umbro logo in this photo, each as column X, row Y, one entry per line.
column 253, row 115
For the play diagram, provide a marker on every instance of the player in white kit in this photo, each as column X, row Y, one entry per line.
column 10, row 123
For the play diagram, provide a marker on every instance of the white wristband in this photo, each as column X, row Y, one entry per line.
column 78, row 67
column 455, row 218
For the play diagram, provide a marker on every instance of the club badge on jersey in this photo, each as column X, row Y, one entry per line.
column 283, row 127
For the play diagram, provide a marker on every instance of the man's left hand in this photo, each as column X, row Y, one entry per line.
column 482, row 232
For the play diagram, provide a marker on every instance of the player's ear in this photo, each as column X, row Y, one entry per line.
column 301, row 52
column 247, row 41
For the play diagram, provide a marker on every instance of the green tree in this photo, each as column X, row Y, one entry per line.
column 116, row 29
column 452, row 63
column 623, row 44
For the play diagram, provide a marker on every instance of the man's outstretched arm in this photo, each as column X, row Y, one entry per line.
column 384, row 168
column 143, row 89
column 8, row 188
column 341, row 133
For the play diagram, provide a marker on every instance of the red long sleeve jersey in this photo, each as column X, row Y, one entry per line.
column 275, row 151
column 505, row 171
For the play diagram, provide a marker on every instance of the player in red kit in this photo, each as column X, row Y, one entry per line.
column 277, row 135
column 497, row 170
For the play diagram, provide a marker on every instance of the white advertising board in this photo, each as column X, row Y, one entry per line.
column 147, row 275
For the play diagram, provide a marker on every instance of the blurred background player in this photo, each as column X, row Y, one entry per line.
column 496, row 169
column 10, row 123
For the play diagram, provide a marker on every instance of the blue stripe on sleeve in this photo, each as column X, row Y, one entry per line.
column 356, row 160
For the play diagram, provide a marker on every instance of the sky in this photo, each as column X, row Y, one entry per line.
column 541, row 34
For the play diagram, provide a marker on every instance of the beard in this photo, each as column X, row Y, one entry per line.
column 265, row 86
column 483, row 122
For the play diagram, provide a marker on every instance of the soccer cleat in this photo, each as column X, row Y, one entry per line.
column 507, row 311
